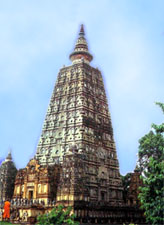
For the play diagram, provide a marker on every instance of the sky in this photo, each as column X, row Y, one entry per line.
column 126, row 39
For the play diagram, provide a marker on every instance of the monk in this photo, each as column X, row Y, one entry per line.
column 6, row 214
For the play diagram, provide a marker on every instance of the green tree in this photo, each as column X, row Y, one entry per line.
column 126, row 183
column 151, row 161
column 58, row 215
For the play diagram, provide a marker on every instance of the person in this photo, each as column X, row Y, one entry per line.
column 6, row 214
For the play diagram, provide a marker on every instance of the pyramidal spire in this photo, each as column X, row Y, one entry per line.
column 81, row 49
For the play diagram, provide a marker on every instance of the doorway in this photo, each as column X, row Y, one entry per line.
column 30, row 194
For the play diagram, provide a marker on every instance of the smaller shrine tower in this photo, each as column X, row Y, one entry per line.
column 7, row 178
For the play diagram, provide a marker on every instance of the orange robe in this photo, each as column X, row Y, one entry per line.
column 6, row 213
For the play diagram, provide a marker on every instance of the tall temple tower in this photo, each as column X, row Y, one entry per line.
column 77, row 133
column 7, row 178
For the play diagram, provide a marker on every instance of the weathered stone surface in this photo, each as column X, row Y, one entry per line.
column 7, row 178
column 78, row 120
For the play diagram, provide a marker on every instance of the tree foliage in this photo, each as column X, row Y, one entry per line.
column 126, row 184
column 58, row 215
column 151, row 161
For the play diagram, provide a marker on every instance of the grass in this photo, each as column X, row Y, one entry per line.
column 6, row 223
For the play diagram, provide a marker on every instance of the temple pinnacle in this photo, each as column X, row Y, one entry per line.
column 81, row 49
column 9, row 156
column 82, row 30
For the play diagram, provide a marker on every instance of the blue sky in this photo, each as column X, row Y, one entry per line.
column 36, row 37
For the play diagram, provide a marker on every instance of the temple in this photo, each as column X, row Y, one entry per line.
column 76, row 160
column 7, row 178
